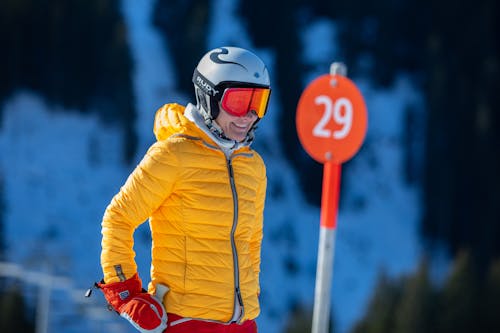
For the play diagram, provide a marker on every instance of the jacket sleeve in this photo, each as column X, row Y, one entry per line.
column 146, row 188
column 256, row 241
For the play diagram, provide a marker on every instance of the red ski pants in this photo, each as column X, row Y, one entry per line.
column 176, row 324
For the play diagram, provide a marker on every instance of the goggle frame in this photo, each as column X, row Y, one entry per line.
column 238, row 101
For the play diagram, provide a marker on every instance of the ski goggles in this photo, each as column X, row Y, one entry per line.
column 239, row 101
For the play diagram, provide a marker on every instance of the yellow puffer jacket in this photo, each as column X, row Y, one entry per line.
column 205, row 214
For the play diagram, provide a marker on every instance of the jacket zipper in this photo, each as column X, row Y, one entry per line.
column 238, row 309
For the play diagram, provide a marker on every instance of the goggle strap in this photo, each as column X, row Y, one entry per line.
column 204, row 84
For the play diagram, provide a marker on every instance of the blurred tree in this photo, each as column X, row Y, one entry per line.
column 183, row 26
column 381, row 39
column 462, row 187
column 490, row 301
column 14, row 317
column 379, row 316
column 299, row 320
column 415, row 311
column 2, row 223
column 464, row 303
column 74, row 53
column 459, row 300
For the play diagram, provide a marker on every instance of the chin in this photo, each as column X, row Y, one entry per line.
column 237, row 137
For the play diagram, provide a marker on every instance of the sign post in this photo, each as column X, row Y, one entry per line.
column 331, row 124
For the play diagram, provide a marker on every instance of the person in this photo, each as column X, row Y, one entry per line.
column 203, row 189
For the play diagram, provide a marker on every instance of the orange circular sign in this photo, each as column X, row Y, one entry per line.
column 331, row 119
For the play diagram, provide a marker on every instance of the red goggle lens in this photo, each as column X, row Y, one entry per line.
column 239, row 101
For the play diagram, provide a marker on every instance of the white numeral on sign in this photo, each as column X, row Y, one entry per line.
column 334, row 110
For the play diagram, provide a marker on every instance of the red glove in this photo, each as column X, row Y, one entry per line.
column 143, row 310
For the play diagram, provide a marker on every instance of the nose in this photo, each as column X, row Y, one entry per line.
column 250, row 114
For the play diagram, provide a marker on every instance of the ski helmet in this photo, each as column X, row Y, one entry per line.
column 222, row 69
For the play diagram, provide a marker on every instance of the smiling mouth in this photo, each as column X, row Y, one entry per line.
column 242, row 127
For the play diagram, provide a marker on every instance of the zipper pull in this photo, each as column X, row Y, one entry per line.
column 88, row 293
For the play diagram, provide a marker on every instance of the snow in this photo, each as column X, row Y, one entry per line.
column 153, row 78
column 60, row 169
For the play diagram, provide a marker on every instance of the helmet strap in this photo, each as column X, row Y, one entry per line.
column 214, row 107
column 208, row 105
column 201, row 100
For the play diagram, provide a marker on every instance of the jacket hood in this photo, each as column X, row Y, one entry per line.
column 169, row 120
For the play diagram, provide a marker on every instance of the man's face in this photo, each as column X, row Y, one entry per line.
column 235, row 128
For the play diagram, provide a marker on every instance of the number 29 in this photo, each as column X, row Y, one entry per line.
column 333, row 110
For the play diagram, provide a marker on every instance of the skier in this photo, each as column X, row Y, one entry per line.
column 203, row 189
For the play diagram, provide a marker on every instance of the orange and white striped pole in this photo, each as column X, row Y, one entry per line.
column 331, row 123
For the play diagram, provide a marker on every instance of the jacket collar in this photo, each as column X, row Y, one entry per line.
column 228, row 146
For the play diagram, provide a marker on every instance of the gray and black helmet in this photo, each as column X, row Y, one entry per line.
column 222, row 68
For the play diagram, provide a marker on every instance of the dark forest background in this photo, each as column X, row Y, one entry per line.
column 75, row 54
